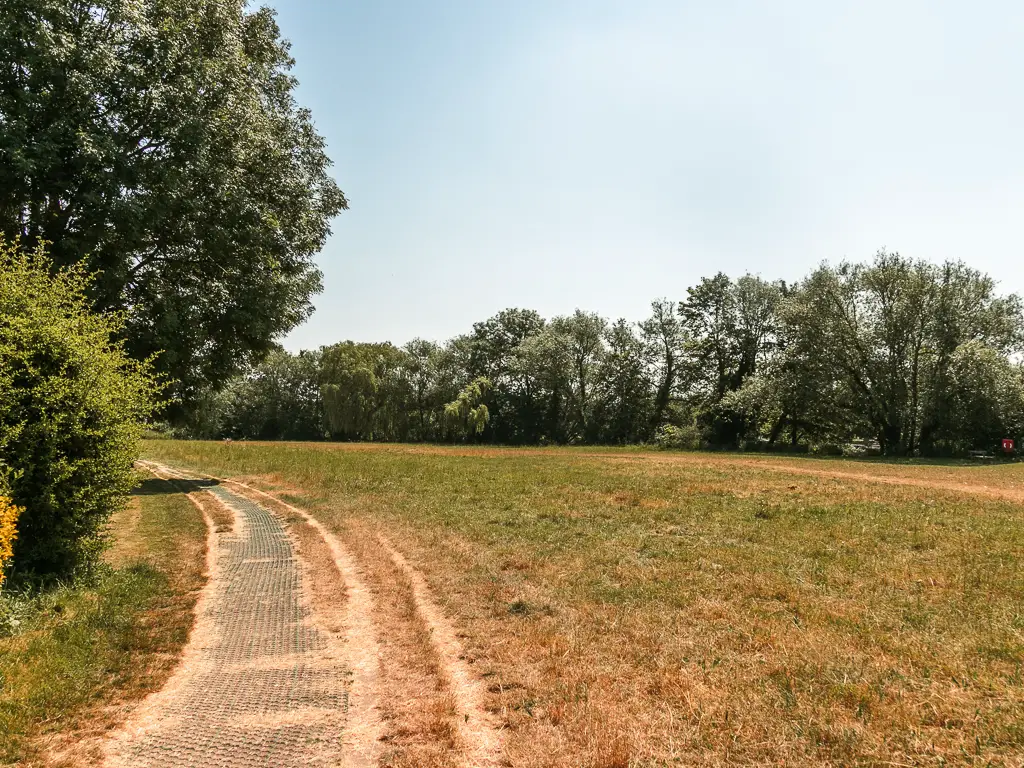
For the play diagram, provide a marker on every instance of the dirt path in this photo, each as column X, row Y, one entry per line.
column 260, row 683
column 362, row 650
column 282, row 669
column 479, row 732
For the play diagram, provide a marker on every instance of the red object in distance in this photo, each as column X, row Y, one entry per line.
column 1007, row 445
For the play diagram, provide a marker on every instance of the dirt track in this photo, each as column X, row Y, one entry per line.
column 260, row 682
column 280, row 671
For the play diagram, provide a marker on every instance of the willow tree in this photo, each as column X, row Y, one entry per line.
column 366, row 394
column 467, row 415
column 158, row 144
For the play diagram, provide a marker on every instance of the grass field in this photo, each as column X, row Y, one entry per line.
column 73, row 657
column 635, row 609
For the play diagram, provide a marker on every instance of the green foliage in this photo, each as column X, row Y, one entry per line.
column 985, row 397
column 281, row 397
column 467, row 415
column 732, row 331
column 158, row 142
column 278, row 399
column 364, row 390
column 580, row 342
column 521, row 397
column 431, row 380
column 71, row 407
column 671, row 437
column 624, row 408
column 908, row 349
column 664, row 338
column 899, row 356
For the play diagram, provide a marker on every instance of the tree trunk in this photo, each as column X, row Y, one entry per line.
column 777, row 429
column 664, row 391
column 890, row 441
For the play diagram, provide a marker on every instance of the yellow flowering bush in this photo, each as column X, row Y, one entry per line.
column 8, row 533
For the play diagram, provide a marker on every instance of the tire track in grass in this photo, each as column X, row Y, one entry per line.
column 1010, row 494
column 479, row 733
column 477, row 727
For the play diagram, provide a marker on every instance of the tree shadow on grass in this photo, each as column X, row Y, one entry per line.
column 155, row 487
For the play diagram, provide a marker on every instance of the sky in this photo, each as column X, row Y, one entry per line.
column 555, row 154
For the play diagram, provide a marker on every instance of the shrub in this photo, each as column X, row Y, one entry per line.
column 71, row 406
column 827, row 449
column 861, row 449
column 671, row 437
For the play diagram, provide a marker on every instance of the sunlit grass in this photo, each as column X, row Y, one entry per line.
column 648, row 609
column 68, row 654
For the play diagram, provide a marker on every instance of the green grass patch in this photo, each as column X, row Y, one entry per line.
column 68, row 651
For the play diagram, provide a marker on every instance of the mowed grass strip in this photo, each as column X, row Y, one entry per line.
column 631, row 609
column 78, row 654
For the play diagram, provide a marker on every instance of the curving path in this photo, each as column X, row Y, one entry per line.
column 260, row 684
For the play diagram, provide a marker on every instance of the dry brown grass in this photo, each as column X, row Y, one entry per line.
column 418, row 706
column 630, row 609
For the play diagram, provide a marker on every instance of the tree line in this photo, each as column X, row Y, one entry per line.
column 904, row 355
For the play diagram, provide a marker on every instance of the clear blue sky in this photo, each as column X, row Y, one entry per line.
column 556, row 154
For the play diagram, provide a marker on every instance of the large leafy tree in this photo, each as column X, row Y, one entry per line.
column 158, row 143
column 538, row 375
column 623, row 411
column 279, row 399
column 903, row 339
column 709, row 321
column 866, row 322
column 965, row 308
column 515, row 412
column 422, row 370
column 985, row 396
column 732, row 330
column 665, row 338
column 579, row 338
